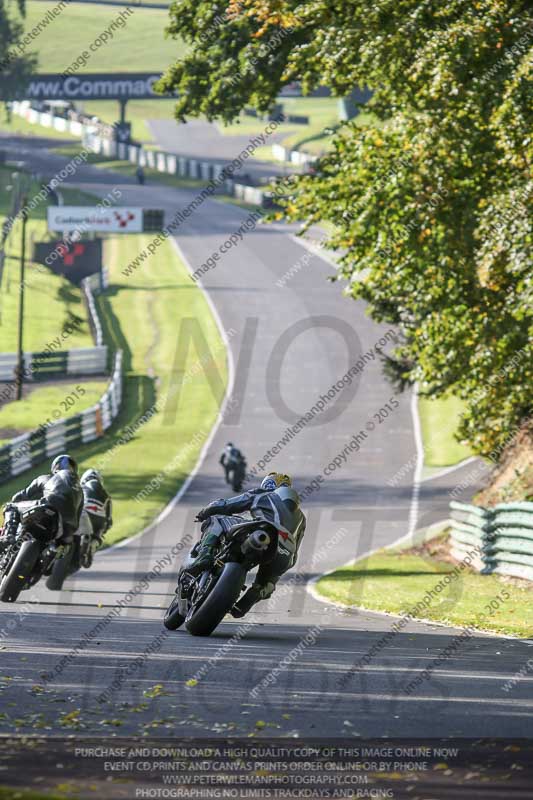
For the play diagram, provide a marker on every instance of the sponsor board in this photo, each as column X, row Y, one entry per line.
column 74, row 260
column 100, row 220
column 93, row 86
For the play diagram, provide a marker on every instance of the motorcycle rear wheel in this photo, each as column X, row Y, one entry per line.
column 22, row 567
column 219, row 602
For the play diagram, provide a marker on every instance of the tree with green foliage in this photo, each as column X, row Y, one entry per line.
column 431, row 206
column 16, row 66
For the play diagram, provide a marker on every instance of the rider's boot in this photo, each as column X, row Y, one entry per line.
column 205, row 558
column 244, row 604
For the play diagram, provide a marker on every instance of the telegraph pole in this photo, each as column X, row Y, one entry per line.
column 20, row 348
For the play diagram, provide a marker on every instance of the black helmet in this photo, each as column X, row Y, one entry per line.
column 289, row 497
column 91, row 475
column 64, row 462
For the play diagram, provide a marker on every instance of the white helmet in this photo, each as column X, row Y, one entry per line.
column 91, row 475
column 289, row 497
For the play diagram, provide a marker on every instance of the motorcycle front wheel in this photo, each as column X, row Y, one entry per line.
column 223, row 596
column 173, row 619
column 21, row 569
column 60, row 571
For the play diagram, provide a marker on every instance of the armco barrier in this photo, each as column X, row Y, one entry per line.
column 76, row 125
column 297, row 157
column 51, row 438
column 182, row 167
column 50, row 364
column 94, row 320
column 502, row 537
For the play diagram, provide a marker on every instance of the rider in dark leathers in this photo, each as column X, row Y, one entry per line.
column 232, row 460
column 273, row 501
column 60, row 489
column 97, row 503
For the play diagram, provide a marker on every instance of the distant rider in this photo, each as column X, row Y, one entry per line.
column 61, row 490
column 275, row 496
column 234, row 463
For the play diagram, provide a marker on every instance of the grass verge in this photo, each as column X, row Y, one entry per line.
column 395, row 580
column 143, row 314
column 439, row 420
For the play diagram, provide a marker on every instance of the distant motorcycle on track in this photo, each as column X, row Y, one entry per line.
column 236, row 476
column 234, row 465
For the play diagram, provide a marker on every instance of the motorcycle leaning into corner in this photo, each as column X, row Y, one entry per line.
column 203, row 602
column 270, row 541
column 31, row 541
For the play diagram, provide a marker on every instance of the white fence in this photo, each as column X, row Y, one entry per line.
column 53, row 437
column 94, row 319
column 47, row 364
column 296, row 157
column 73, row 126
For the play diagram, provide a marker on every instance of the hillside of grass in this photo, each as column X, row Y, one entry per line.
column 140, row 45
column 143, row 35
column 16, row 793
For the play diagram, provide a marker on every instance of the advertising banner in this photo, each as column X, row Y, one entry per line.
column 74, row 260
column 93, row 86
column 101, row 220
